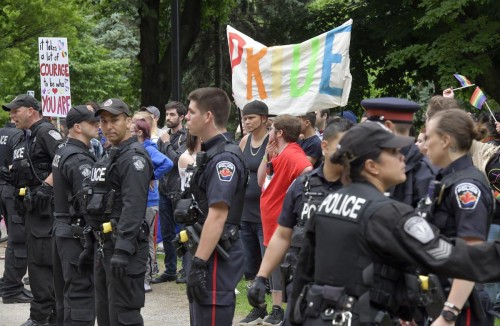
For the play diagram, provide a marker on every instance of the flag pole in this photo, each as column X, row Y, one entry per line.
column 490, row 111
column 456, row 89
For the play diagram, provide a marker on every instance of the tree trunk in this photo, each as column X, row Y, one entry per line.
column 156, row 84
column 217, row 43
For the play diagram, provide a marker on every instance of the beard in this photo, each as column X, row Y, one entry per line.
column 171, row 124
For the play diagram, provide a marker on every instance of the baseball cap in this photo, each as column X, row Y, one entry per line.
column 114, row 106
column 153, row 110
column 256, row 107
column 390, row 108
column 22, row 100
column 363, row 138
column 79, row 114
column 349, row 115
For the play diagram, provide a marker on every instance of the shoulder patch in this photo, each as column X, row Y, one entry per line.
column 55, row 134
column 467, row 195
column 139, row 162
column 419, row 229
column 85, row 170
column 225, row 170
column 55, row 161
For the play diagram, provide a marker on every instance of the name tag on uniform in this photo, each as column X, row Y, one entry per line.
column 343, row 205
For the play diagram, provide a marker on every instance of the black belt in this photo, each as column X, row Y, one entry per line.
column 66, row 218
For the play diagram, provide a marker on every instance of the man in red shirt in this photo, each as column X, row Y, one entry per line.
column 283, row 162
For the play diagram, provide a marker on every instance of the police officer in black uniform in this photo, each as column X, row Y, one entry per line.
column 74, row 289
column 114, row 202
column 397, row 115
column 359, row 243
column 218, row 187
column 461, row 205
column 302, row 199
column 15, row 254
column 32, row 178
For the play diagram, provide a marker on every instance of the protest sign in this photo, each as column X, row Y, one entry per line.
column 54, row 76
column 292, row 79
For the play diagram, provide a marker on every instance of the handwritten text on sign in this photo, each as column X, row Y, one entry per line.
column 54, row 76
column 293, row 79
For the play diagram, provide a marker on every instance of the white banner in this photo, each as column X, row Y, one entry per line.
column 54, row 76
column 293, row 79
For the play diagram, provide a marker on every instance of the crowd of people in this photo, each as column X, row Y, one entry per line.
column 343, row 220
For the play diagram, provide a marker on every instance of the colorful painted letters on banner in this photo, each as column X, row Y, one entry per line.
column 292, row 79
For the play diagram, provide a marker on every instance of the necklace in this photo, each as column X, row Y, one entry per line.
column 258, row 149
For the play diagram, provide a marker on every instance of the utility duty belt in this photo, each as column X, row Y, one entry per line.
column 328, row 303
column 189, row 239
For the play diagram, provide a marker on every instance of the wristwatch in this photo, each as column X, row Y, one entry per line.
column 449, row 315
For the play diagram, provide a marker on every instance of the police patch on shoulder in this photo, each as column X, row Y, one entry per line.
column 55, row 134
column 467, row 195
column 85, row 170
column 419, row 228
column 225, row 171
column 55, row 161
column 139, row 162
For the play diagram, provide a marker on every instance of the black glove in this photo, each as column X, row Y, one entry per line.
column 5, row 174
column 257, row 292
column 119, row 263
column 44, row 192
column 86, row 259
column 196, row 280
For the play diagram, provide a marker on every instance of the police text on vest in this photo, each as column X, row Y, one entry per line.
column 341, row 204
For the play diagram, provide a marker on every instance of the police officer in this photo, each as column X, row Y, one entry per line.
column 218, row 188
column 397, row 115
column 301, row 201
column 74, row 289
column 15, row 253
column 359, row 243
column 32, row 178
column 114, row 203
column 461, row 205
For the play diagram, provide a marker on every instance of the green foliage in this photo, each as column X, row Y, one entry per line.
column 100, row 66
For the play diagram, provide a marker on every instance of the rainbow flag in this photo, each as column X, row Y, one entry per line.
column 463, row 80
column 478, row 98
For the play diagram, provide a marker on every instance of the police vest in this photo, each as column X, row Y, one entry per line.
column 65, row 202
column 28, row 172
column 441, row 190
column 198, row 184
column 100, row 201
column 343, row 258
column 313, row 192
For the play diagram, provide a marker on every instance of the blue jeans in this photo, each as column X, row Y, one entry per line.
column 493, row 289
column 167, row 225
column 252, row 237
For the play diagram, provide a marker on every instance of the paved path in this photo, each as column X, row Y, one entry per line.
column 166, row 305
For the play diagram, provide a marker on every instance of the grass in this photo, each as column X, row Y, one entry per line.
column 242, row 305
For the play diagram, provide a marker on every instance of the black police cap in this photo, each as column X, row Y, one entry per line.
column 79, row 114
column 363, row 138
column 114, row 106
column 20, row 101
